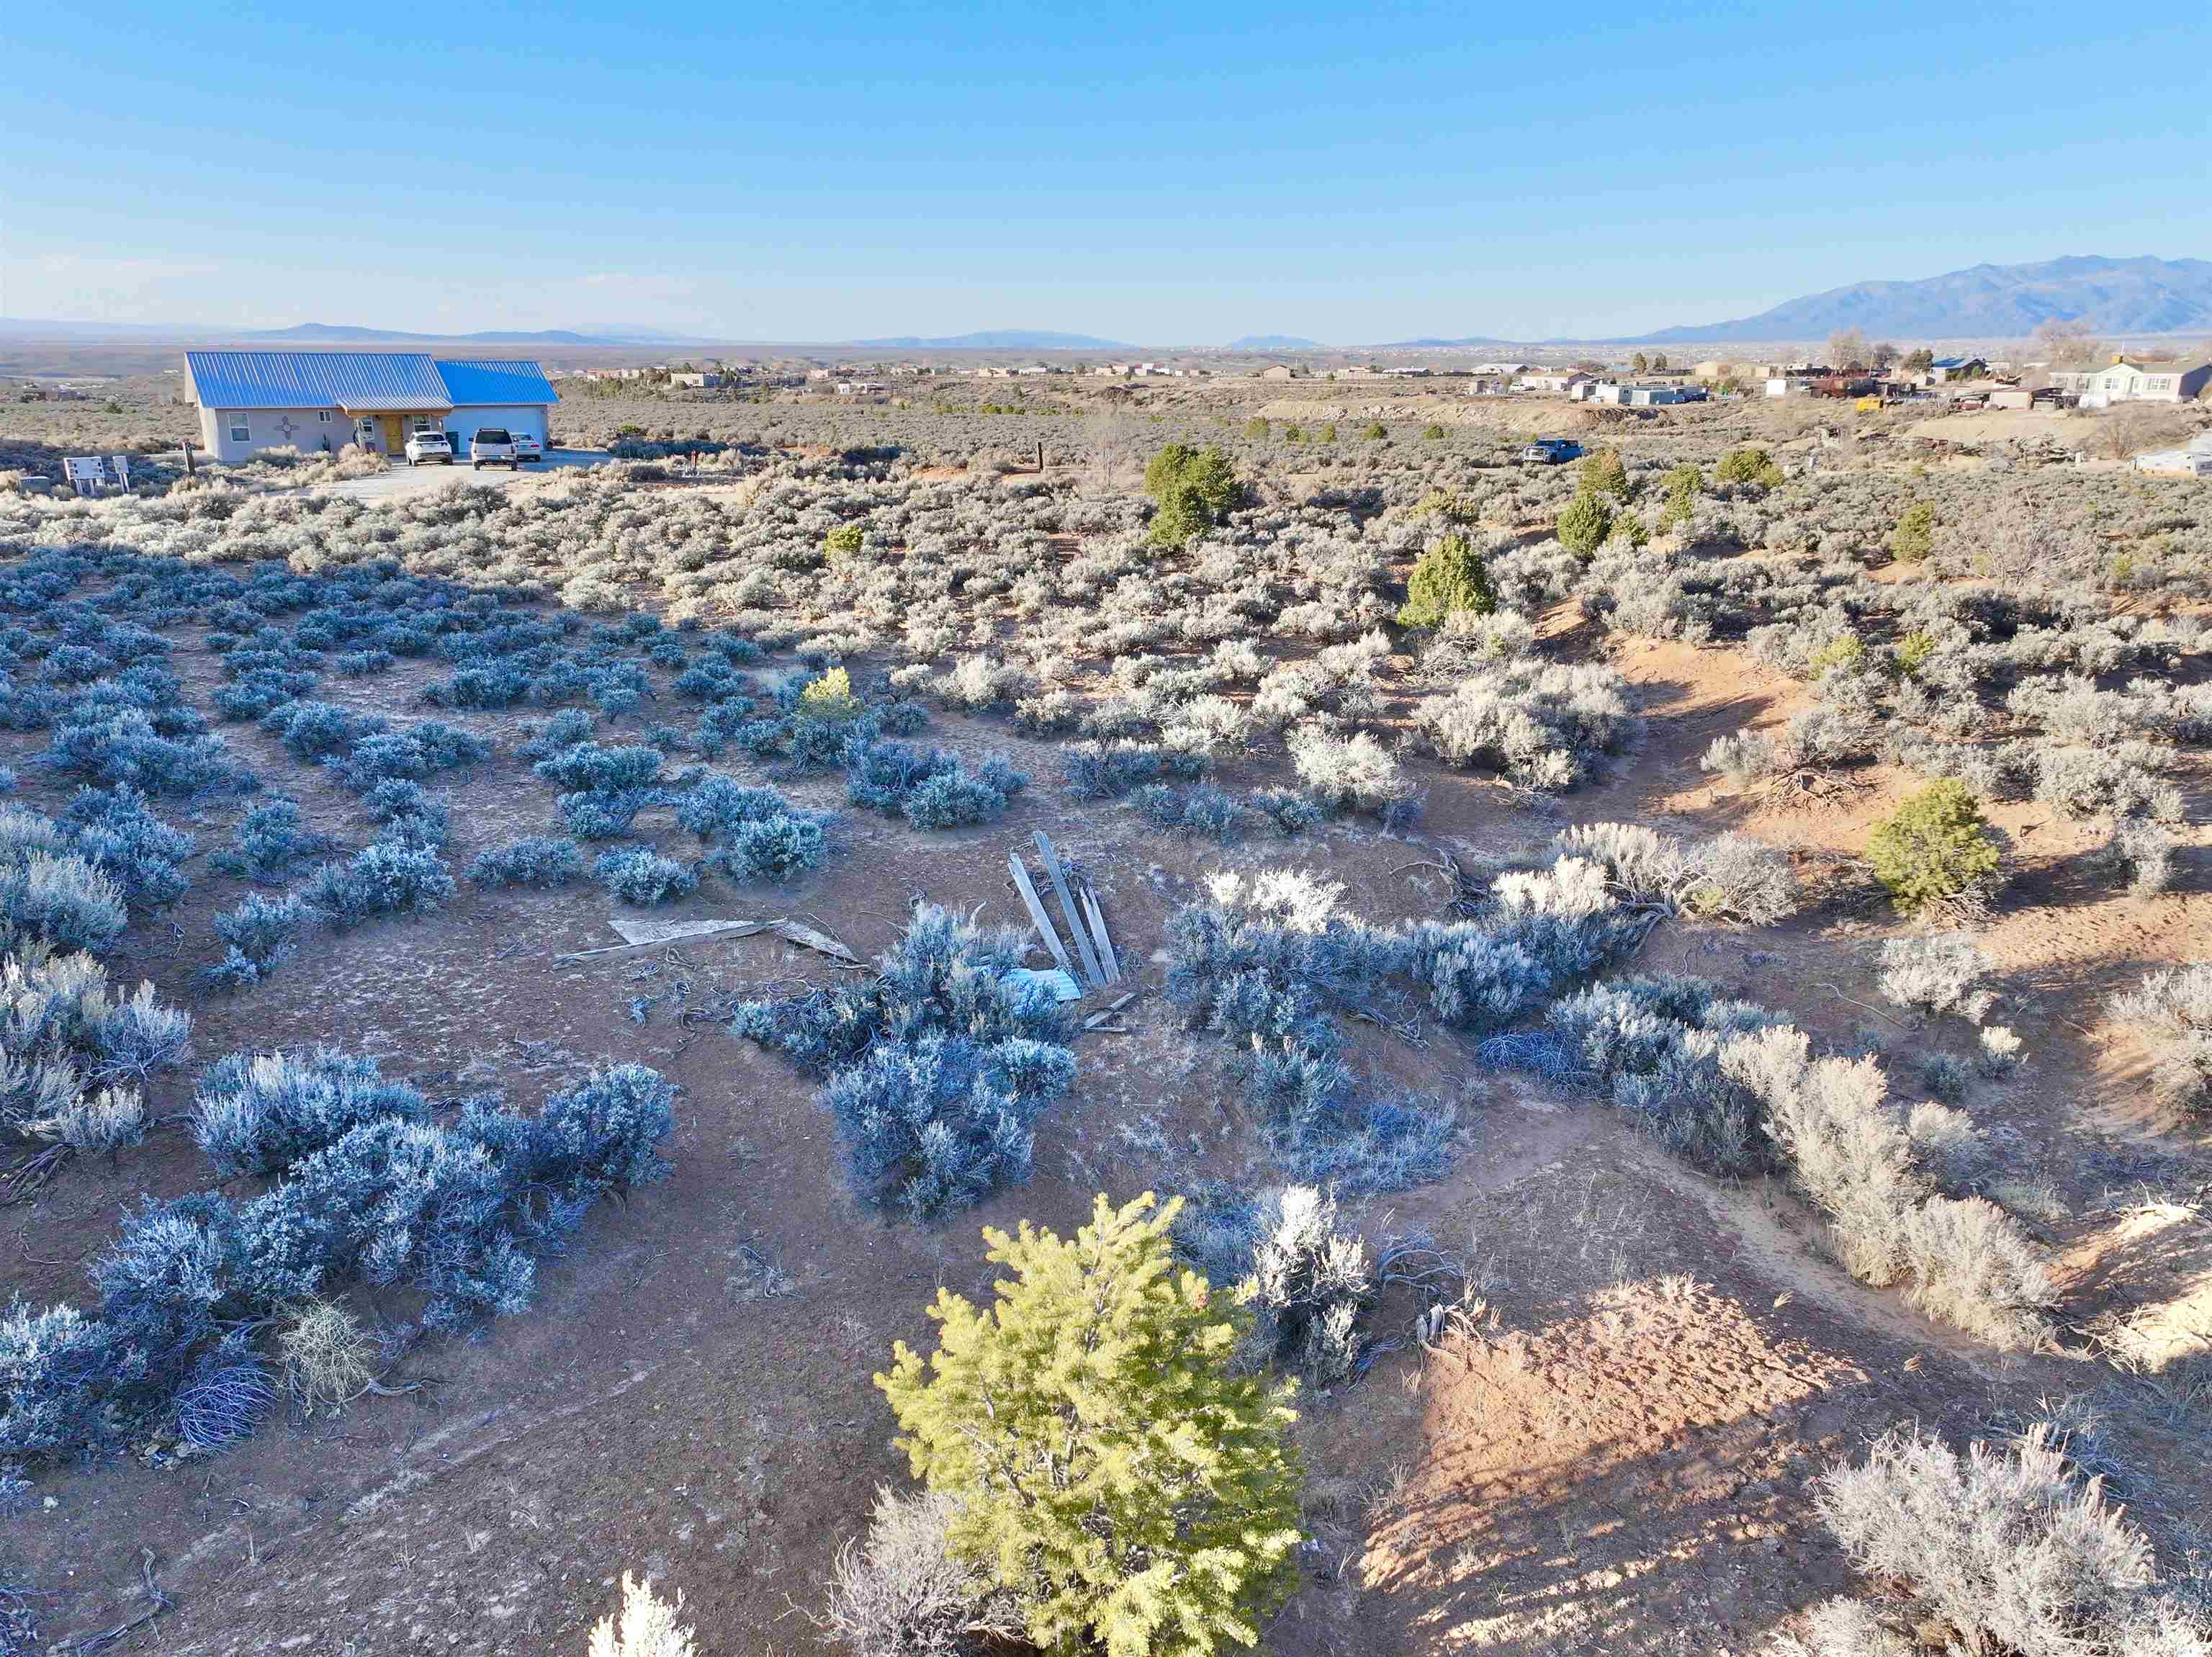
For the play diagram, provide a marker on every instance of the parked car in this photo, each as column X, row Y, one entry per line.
column 429, row 447
column 1551, row 451
column 528, row 447
column 491, row 446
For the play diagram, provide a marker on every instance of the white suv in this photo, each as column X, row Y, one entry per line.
column 492, row 445
column 425, row 446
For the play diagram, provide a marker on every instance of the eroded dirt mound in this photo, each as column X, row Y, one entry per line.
column 1605, row 1478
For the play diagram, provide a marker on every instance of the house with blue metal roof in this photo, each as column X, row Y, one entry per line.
column 251, row 401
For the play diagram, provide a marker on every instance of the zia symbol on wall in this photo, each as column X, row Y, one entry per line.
column 285, row 428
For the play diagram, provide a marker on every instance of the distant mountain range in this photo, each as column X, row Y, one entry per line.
column 1989, row 301
column 340, row 332
column 996, row 339
column 1273, row 342
column 1429, row 343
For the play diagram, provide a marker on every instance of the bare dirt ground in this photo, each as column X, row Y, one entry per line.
column 1611, row 1456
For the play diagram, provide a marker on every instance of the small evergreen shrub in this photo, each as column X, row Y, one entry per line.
column 1935, row 852
column 1145, row 1499
column 1447, row 579
column 1914, row 537
column 1603, row 473
column 1193, row 489
column 1584, row 523
column 1749, row 465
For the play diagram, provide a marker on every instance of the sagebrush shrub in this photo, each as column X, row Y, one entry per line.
column 770, row 848
column 647, row 1625
column 380, row 879
column 900, row 1592
column 270, row 840
column 2002, row 1548
column 261, row 935
column 2175, row 1006
column 62, row 898
column 640, row 875
column 261, row 1112
column 1941, row 972
column 1542, row 723
column 539, row 861
column 1353, row 773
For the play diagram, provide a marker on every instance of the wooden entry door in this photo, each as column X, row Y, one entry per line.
column 395, row 434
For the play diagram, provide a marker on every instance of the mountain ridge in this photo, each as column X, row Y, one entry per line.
column 2140, row 295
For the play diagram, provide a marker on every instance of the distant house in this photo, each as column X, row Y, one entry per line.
column 859, row 388
column 1944, row 369
column 2135, row 382
column 1282, row 371
column 251, row 401
column 695, row 380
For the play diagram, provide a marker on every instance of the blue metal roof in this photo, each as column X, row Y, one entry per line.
column 475, row 381
column 362, row 382
column 358, row 381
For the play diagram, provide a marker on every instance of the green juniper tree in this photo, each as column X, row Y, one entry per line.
column 1111, row 1464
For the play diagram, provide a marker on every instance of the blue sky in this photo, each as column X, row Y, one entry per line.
column 1162, row 174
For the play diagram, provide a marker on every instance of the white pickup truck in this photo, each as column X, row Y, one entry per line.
column 493, row 446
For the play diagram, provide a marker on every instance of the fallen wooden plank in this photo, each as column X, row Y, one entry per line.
column 1092, row 974
column 1042, row 920
column 654, row 934
column 1106, row 956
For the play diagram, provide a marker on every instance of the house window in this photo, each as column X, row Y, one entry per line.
column 422, row 423
column 323, row 416
column 240, row 431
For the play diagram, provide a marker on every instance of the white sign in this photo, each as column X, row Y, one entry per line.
column 90, row 474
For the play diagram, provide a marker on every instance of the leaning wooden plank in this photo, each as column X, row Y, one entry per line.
column 1092, row 974
column 1042, row 920
column 1106, row 956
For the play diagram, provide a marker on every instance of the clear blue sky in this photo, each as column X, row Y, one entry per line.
column 1165, row 176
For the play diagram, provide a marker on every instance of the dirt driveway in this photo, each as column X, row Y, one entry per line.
column 404, row 483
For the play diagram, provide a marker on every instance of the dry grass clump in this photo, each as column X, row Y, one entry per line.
column 329, row 1360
